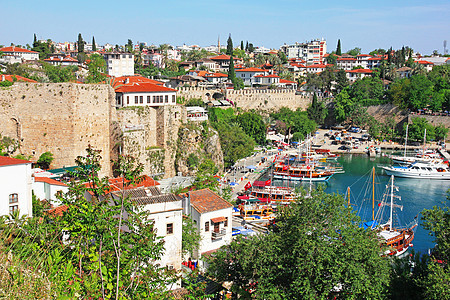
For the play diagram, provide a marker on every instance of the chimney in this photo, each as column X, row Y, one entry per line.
column 127, row 80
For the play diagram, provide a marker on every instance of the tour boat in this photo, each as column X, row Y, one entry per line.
column 256, row 212
column 302, row 172
column 265, row 192
column 397, row 239
column 420, row 170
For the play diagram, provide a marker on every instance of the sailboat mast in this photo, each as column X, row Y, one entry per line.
column 424, row 142
column 406, row 139
column 348, row 195
column 392, row 202
column 373, row 193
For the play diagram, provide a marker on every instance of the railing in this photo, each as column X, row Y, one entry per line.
column 218, row 234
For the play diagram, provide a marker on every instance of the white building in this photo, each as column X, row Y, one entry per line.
column 62, row 61
column 119, row 64
column 356, row 74
column 15, row 186
column 267, row 79
column 142, row 91
column 346, row 63
column 166, row 213
column 46, row 189
column 311, row 52
column 21, row 53
column 248, row 75
column 212, row 217
column 196, row 113
column 216, row 78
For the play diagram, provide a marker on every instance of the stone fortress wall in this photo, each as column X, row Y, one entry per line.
column 63, row 118
column 248, row 99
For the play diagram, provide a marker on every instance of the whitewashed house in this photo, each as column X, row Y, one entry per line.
column 267, row 79
column 353, row 75
column 47, row 188
column 118, row 64
column 62, row 61
column 21, row 53
column 248, row 75
column 15, row 186
column 212, row 217
column 141, row 91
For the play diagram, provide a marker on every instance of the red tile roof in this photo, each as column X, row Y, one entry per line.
column 222, row 57
column 346, row 59
column 218, row 219
column 134, row 79
column 9, row 161
column 250, row 70
column 142, row 87
column 424, row 62
column 287, row 81
column 116, row 184
column 58, row 211
column 66, row 59
column 320, row 66
column 16, row 49
column 363, row 55
column 206, row 200
column 359, row 71
column 268, row 76
column 375, row 58
column 18, row 78
column 216, row 75
column 49, row 181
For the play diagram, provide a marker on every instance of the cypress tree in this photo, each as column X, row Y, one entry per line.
column 338, row 48
column 242, row 45
column 94, row 47
column 246, row 47
column 80, row 44
column 231, row 73
column 35, row 43
column 230, row 46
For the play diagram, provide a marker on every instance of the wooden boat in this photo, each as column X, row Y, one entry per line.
column 397, row 239
column 302, row 172
column 256, row 212
column 265, row 192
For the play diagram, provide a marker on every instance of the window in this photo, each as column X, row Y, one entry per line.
column 148, row 99
column 154, row 99
column 225, row 224
column 141, row 99
column 136, row 100
column 173, row 98
column 167, row 99
column 206, row 226
column 169, row 228
column 128, row 99
column 13, row 208
column 13, row 198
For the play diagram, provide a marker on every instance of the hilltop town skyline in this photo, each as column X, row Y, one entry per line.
column 423, row 27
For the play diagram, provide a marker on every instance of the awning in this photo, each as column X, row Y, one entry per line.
column 218, row 220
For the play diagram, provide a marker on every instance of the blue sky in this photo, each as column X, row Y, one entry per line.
column 422, row 25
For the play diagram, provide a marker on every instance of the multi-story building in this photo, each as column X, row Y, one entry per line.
column 311, row 52
column 248, row 75
column 15, row 186
column 119, row 64
column 20, row 53
column 142, row 91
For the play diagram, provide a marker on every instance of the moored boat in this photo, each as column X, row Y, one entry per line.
column 420, row 170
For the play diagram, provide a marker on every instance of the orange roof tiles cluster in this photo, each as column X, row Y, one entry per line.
column 49, row 181
column 250, row 70
column 206, row 200
column 9, row 161
column 16, row 49
column 5, row 77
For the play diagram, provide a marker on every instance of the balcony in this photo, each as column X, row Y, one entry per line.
column 218, row 234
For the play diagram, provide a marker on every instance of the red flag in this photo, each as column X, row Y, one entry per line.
column 268, row 182
column 248, row 185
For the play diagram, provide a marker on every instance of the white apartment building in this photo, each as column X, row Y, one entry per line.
column 20, row 53
column 248, row 75
column 15, row 186
column 141, row 91
column 311, row 52
column 119, row 64
column 212, row 216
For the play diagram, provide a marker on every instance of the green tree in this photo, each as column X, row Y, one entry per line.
column 251, row 48
column 229, row 46
column 242, row 45
column 316, row 250
column 97, row 69
column 45, row 160
column 317, row 110
column 354, row 52
column 341, row 80
column 416, row 130
column 420, row 92
column 331, row 59
column 8, row 145
column 129, row 46
column 343, row 106
column 94, row 46
column 191, row 238
column 367, row 91
column 254, row 126
column 338, row 48
column 80, row 44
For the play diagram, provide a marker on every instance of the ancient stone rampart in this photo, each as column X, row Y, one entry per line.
column 434, row 120
column 62, row 118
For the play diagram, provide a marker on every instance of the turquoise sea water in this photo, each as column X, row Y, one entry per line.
column 416, row 194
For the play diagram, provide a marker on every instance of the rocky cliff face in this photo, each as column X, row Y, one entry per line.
column 197, row 142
